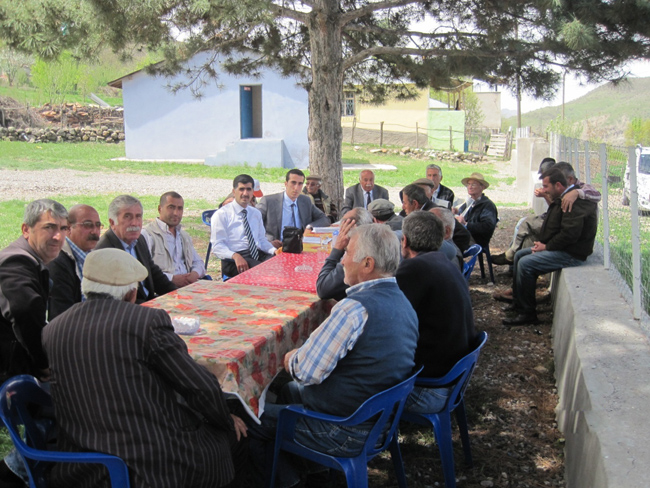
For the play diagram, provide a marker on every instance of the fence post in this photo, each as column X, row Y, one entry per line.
column 576, row 166
column 587, row 168
column 381, row 134
column 451, row 139
column 636, row 240
column 354, row 125
column 605, row 200
column 417, row 135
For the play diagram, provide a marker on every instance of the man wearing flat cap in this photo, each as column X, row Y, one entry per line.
column 119, row 375
column 479, row 214
column 319, row 198
column 383, row 213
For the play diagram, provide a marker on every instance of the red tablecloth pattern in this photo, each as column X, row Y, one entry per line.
column 248, row 330
column 286, row 271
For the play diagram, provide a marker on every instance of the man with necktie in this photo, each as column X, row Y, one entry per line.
column 238, row 236
column 363, row 193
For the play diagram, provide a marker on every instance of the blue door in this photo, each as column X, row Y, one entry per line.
column 246, row 111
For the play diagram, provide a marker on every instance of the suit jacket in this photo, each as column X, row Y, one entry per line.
column 271, row 208
column 116, row 371
column 355, row 196
column 156, row 282
column 66, row 285
column 446, row 194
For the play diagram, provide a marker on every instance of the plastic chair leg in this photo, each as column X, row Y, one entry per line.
column 356, row 473
column 461, row 418
column 207, row 255
column 442, row 430
column 398, row 463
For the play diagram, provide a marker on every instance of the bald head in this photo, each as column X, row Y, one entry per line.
column 367, row 180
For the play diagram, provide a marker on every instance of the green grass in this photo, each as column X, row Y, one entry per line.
column 36, row 98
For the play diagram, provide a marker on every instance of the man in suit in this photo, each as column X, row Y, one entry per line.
column 289, row 209
column 66, row 270
column 440, row 297
column 171, row 247
column 364, row 192
column 125, row 218
column 123, row 383
column 566, row 239
column 441, row 195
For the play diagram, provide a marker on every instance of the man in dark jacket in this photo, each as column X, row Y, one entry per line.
column 478, row 214
column 125, row 217
column 566, row 239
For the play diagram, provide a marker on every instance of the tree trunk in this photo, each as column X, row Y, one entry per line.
column 325, row 91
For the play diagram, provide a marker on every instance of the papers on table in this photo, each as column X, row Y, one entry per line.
column 322, row 230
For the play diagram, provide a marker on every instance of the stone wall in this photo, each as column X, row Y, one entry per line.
column 64, row 134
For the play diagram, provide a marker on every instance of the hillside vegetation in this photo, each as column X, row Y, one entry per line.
column 601, row 115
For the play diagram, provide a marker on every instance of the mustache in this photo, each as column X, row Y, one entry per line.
column 133, row 228
column 93, row 237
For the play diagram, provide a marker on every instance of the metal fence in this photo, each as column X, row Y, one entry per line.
column 624, row 230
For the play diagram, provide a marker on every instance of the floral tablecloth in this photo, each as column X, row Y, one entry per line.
column 286, row 271
column 245, row 330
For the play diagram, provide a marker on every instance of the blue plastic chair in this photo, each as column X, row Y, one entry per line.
column 15, row 395
column 207, row 216
column 459, row 377
column 386, row 406
column 472, row 253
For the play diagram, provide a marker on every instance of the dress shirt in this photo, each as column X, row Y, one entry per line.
column 228, row 235
column 332, row 340
column 286, row 213
column 130, row 248
column 174, row 244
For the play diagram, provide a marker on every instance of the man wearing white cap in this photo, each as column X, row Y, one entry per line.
column 479, row 214
column 117, row 369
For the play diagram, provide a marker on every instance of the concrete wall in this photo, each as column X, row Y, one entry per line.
column 162, row 125
column 602, row 366
column 490, row 104
column 530, row 152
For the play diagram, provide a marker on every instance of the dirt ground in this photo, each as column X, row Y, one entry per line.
column 510, row 401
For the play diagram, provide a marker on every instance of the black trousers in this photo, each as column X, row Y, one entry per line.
column 229, row 268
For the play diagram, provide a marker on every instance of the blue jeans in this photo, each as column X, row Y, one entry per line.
column 528, row 266
column 427, row 400
column 316, row 434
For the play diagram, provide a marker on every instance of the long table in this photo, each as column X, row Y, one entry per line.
column 245, row 330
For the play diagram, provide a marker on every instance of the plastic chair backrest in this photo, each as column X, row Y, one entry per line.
column 458, row 377
column 15, row 396
column 206, row 216
column 472, row 253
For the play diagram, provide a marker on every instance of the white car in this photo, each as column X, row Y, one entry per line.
column 642, row 179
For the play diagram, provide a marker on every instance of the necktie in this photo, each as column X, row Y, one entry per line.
column 249, row 236
column 293, row 215
column 368, row 200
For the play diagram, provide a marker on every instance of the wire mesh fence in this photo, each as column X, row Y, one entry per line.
column 623, row 179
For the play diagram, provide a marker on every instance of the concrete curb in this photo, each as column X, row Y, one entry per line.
column 602, row 370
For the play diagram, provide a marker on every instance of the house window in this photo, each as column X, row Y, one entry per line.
column 347, row 106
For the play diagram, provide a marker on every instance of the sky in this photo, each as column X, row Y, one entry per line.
column 575, row 88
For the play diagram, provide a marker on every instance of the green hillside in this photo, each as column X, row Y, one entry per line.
column 601, row 114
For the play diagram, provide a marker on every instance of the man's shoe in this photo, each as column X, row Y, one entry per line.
column 510, row 308
column 522, row 319
column 501, row 259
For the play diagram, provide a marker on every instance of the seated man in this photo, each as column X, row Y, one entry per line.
column 528, row 229
column 237, row 234
column 170, row 246
column 318, row 197
column 441, row 196
column 566, row 239
column 330, row 282
column 365, row 346
column 383, row 213
column 440, row 297
column 478, row 213
column 125, row 218
column 414, row 198
column 66, row 269
column 448, row 248
column 123, row 383
column 289, row 209
column 363, row 193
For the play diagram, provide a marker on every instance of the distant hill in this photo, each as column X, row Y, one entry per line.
column 603, row 113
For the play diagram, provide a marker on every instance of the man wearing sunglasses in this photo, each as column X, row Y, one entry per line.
column 66, row 269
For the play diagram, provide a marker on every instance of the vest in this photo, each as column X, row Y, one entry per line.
column 382, row 357
column 161, row 255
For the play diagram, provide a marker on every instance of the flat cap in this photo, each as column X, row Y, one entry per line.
column 424, row 181
column 381, row 206
column 314, row 177
column 113, row 267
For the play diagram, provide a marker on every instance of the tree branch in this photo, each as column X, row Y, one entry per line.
column 280, row 11
column 373, row 7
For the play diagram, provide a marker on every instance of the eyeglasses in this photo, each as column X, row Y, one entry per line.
column 89, row 224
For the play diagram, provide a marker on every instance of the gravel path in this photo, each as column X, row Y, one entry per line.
column 30, row 185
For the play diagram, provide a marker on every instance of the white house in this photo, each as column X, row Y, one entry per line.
column 237, row 120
